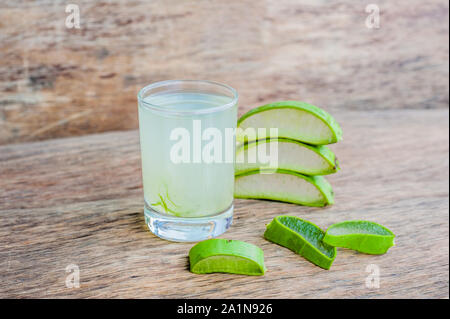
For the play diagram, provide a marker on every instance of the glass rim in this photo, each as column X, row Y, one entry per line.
column 160, row 108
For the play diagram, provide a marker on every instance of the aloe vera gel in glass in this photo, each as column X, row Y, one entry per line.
column 187, row 147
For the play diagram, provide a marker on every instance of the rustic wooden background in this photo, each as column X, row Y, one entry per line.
column 57, row 82
column 78, row 199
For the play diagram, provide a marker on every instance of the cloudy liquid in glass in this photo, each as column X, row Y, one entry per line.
column 186, row 189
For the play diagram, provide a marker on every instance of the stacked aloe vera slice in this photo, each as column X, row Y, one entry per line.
column 303, row 158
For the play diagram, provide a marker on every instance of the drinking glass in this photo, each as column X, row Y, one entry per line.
column 187, row 147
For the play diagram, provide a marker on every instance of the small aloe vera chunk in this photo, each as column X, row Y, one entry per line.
column 226, row 256
column 303, row 238
column 363, row 236
column 295, row 120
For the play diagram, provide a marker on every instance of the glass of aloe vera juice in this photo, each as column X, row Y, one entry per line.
column 187, row 138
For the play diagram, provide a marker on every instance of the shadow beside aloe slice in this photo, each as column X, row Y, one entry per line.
column 363, row 236
column 302, row 237
column 284, row 185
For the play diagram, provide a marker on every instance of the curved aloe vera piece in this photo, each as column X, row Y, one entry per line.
column 303, row 238
column 284, row 186
column 363, row 236
column 228, row 256
column 295, row 120
column 292, row 155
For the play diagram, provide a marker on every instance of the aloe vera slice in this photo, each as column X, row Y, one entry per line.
column 295, row 120
column 292, row 155
column 303, row 238
column 227, row 256
column 284, row 186
column 363, row 236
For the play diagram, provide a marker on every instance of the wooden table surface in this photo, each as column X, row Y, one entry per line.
column 79, row 201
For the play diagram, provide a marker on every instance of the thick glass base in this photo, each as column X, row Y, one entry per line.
column 187, row 229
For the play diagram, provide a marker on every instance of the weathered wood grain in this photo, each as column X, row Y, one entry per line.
column 79, row 201
column 58, row 82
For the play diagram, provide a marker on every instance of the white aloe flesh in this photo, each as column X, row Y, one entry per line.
column 295, row 120
column 292, row 155
column 285, row 186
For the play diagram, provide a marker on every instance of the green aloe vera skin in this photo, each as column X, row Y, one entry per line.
column 285, row 186
column 303, row 238
column 226, row 256
column 295, row 120
column 363, row 236
column 292, row 155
